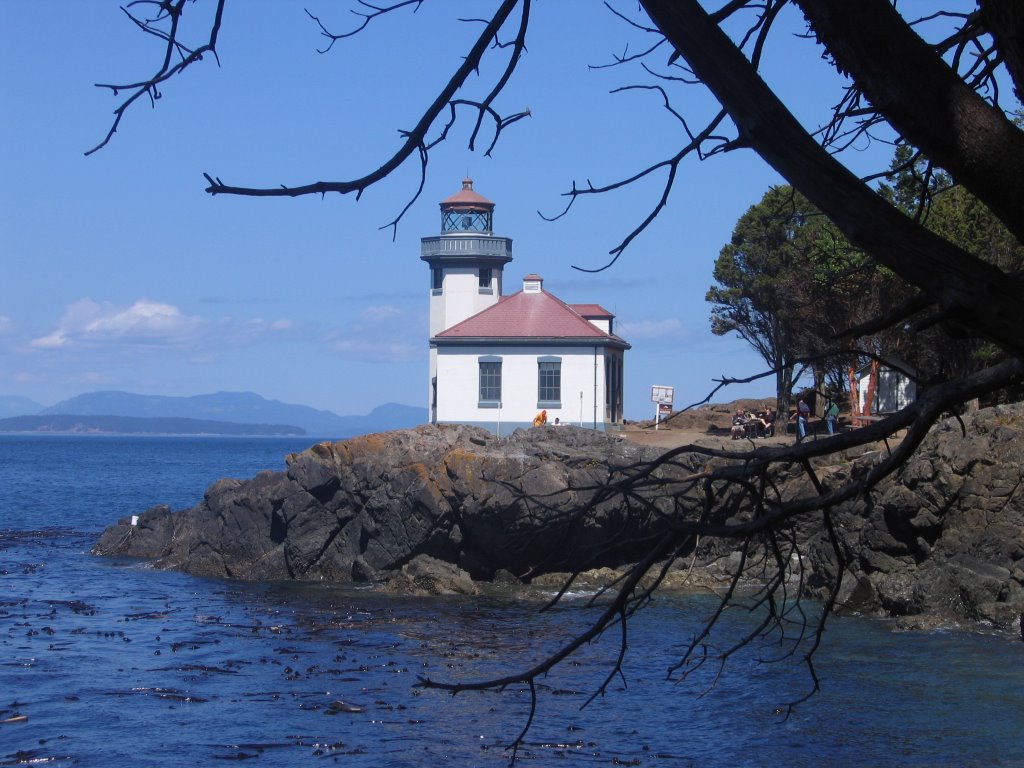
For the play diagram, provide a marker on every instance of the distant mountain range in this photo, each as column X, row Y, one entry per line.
column 135, row 425
column 11, row 405
column 230, row 407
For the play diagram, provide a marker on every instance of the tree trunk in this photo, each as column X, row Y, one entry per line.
column 869, row 398
column 925, row 100
column 981, row 296
column 819, row 389
column 851, row 373
column 1005, row 21
column 783, row 390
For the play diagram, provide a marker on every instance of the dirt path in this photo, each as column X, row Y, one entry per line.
column 673, row 438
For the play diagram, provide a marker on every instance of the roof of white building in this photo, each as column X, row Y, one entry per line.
column 591, row 310
column 533, row 315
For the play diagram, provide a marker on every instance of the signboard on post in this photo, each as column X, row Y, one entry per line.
column 663, row 397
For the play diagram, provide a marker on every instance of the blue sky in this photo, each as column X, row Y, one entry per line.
column 118, row 272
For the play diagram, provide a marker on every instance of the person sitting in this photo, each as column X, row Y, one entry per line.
column 767, row 419
column 739, row 424
column 540, row 419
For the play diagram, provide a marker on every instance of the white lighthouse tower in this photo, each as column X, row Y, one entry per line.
column 466, row 262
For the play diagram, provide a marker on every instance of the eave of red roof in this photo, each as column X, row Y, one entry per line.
column 523, row 316
column 591, row 310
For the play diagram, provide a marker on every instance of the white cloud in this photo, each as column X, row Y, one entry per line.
column 88, row 323
column 258, row 329
column 667, row 328
column 379, row 350
column 377, row 314
column 383, row 334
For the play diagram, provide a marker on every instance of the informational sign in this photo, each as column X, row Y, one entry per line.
column 663, row 396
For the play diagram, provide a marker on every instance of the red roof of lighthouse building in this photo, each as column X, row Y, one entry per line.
column 591, row 310
column 524, row 316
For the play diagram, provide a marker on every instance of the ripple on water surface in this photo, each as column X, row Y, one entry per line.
column 109, row 663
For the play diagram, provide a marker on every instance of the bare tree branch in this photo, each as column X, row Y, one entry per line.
column 168, row 12
column 371, row 13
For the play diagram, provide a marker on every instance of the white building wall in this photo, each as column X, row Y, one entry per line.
column 582, row 385
column 431, row 378
column 460, row 297
column 893, row 391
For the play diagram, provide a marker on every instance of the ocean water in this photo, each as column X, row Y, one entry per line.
column 113, row 663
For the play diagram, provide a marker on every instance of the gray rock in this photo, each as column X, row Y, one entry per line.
column 943, row 537
column 425, row 575
column 363, row 508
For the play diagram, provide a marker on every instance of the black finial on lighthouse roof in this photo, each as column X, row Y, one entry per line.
column 467, row 211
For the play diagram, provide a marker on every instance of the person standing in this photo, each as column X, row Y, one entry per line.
column 831, row 414
column 803, row 413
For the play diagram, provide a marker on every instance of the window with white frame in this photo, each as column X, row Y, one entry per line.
column 549, row 382
column 490, row 382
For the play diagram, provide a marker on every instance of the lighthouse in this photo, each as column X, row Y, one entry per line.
column 466, row 263
column 466, row 260
column 495, row 360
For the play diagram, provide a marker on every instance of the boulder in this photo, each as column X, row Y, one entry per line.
column 425, row 575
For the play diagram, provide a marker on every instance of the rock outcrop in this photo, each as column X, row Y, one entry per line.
column 361, row 509
column 941, row 540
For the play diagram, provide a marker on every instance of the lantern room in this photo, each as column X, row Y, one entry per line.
column 467, row 211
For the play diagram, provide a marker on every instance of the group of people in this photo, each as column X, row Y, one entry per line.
column 751, row 425
column 803, row 415
column 762, row 423
column 541, row 419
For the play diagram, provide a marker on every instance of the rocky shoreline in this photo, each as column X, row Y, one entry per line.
column 432, row 509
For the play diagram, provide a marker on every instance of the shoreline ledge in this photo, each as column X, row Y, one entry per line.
column 940, row 542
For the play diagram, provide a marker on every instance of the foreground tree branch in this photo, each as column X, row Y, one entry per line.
column 414, row 140
column 166, row 13
column 900, row 82
column 936, row 110
column 972, row 291
column 741, row 503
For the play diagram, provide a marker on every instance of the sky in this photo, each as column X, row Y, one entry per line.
column 118, row 272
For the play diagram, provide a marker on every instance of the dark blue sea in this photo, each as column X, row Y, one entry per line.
column 113, row 663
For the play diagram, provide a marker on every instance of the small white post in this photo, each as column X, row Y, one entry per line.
column 581, row 407
column 499, row 419
column 657, row 415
